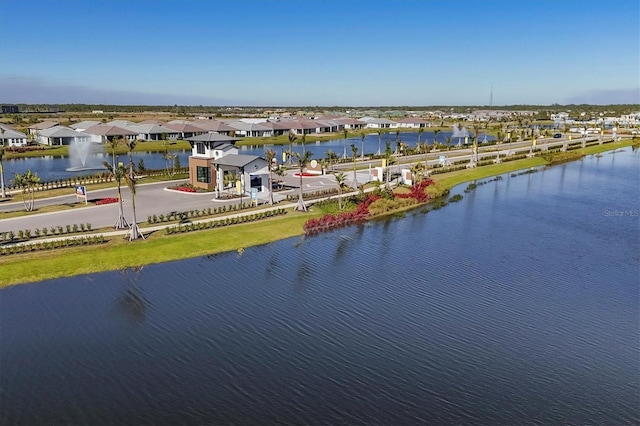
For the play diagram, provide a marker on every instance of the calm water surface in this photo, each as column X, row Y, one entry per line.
column 517, row 305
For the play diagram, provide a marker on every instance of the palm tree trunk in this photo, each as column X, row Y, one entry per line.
column 4, row 193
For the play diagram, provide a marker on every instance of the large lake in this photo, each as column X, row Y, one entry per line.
column 517, row 305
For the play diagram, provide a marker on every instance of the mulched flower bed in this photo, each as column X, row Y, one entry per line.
column 185, row 189
column 108, row 200
column 306, row 174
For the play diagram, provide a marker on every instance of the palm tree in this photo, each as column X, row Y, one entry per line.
column 303, row 139
column 2, row 154
column 270, row 155
column 345, row 134
column 362, row 136
column 448, row 143
column 420, row 131
column 435, row 135
column 118, row 173
column 341, row 180
column 417, row 172
column 388, row 156
column 131, row 144
column 130, row 177
column 169, row 162
column 27, row 182
column 397, row 141
column 303, row 160
column 379, row 132
column 354, row 150
column 292, row 139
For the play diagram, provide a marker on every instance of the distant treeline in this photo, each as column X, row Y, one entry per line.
column 240, row 110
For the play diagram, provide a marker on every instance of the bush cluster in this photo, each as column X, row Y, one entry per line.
column 50, row 245
column 190, row 214
column 312, row 195
column 223, row 222
column 27, row 234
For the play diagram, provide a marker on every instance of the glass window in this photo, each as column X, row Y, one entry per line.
column 200, row 147
column 203, row 174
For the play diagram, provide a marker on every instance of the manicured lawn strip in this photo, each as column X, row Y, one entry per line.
column 119, row 253
column 452, row 179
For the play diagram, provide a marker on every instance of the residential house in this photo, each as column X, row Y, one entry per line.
column 61, row 135
column 153, row 132
column 185, row 130
column 216, row 126
column 379, row 123
column 36, row 128
column 11, row 137
column 103, row 133
column 413, row 123
column 351, row 123
column 250, row 129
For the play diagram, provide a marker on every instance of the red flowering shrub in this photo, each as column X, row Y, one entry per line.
column 329, row 221
column 185, row 189
column 108, row 200
column 417, row 191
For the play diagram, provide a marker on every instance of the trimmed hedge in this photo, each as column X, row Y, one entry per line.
column 189, row 227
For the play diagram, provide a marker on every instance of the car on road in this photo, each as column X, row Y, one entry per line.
column 557, row 135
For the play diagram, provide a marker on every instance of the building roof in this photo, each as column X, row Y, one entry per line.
column 150, row 129
column 84, row 124
column 350, row 121
column 413, row 120
column 43, row 125
column 109, row 130
column 122, row 123
column 248, row 127
column 212, row 137
column 62, row 132
column 183, row 127
column 236, row 160
column 213, row 126
column 12, row 134
column 152, row 121
column 303, row 123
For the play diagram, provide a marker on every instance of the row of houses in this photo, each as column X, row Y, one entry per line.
column 53, row 133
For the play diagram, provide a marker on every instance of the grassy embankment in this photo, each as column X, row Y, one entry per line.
column 158, row 247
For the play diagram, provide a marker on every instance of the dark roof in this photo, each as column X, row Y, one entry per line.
column 236, row 160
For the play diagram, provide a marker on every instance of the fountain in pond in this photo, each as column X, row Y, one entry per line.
column 81, row 156
column 459, row 133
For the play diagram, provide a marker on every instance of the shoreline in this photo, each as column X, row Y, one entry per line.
column 23, row 268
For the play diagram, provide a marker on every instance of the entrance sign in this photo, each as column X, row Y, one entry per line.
column 254, row 195
column 81, row 192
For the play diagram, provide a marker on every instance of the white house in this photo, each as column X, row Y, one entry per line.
column 61, row 135
column 11, row 137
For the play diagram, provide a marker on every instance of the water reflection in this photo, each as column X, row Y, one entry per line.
column 131, row 303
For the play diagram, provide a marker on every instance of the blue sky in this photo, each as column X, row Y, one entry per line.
column 329, row 52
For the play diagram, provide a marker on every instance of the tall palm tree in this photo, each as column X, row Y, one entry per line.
column 379, row 132
column 130, row 177
column 341, row 180
column 270, row 155
column 397, row 141
column 362, row 136
column 27, row 181
column 388, row 156
column 303, row 160
column 354, row 150
column 118, row 173
column 344, row 134
column 2, row 155
column 131, row 144
column 435, row 136
column 292, row 139
column 303, row 139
